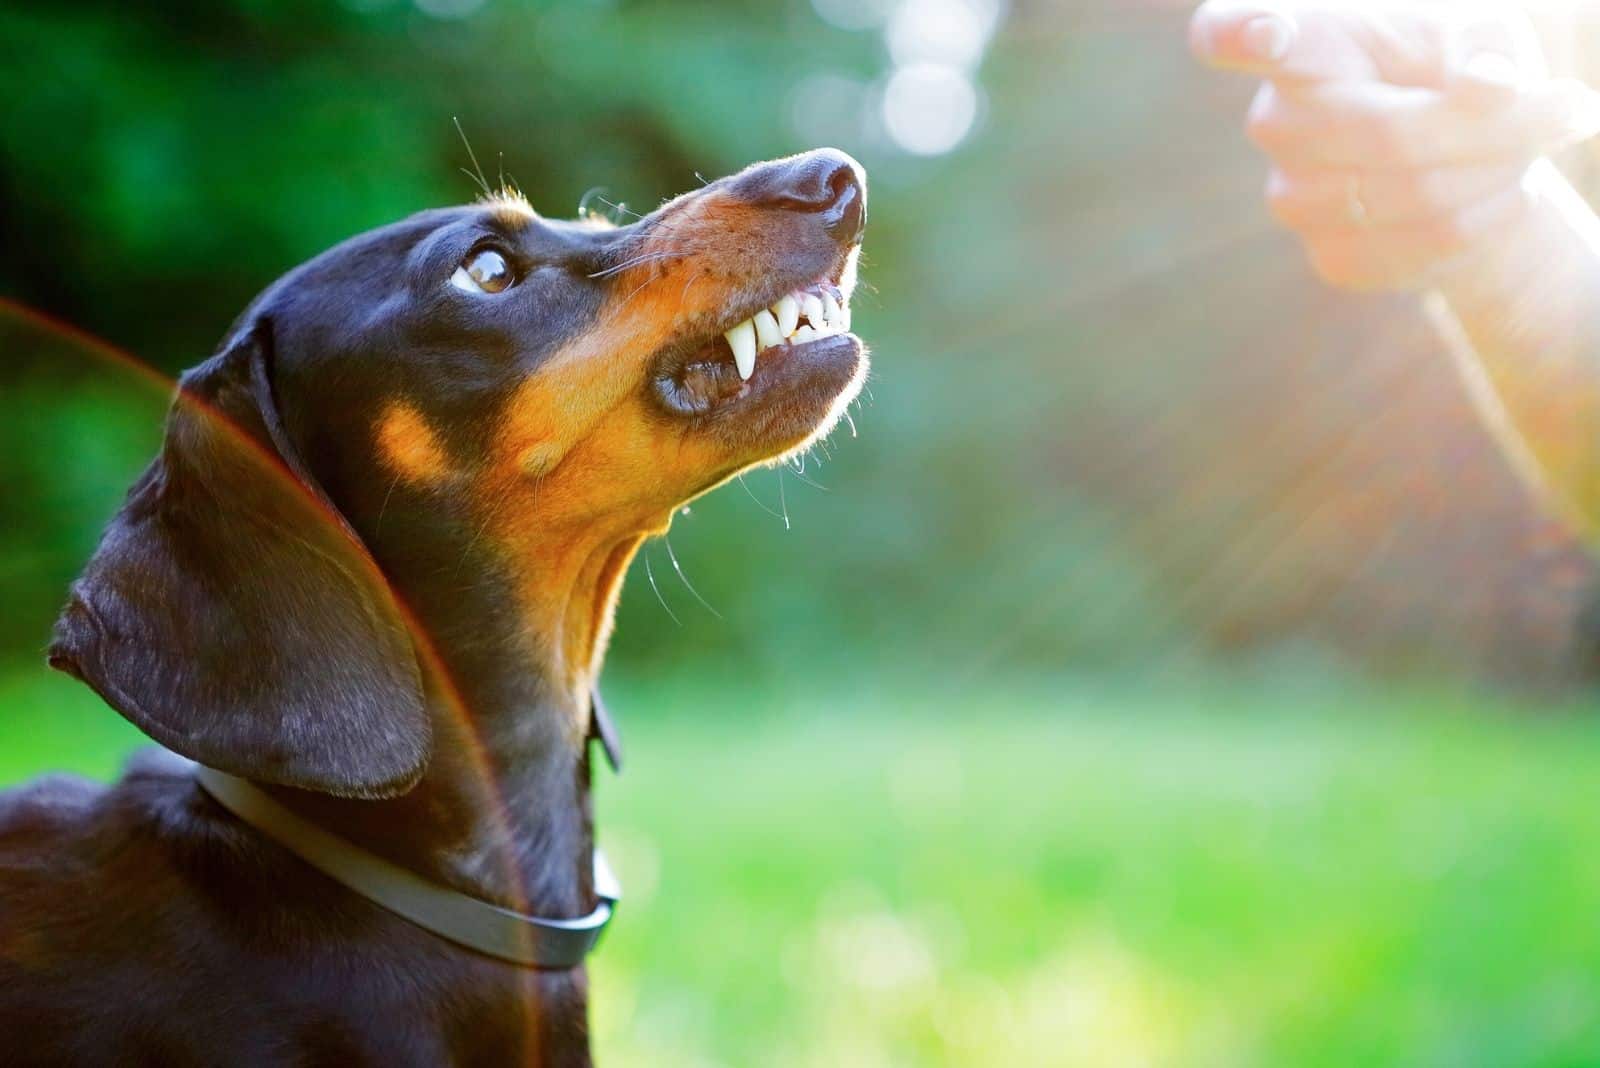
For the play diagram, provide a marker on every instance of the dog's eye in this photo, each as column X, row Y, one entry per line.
column 485, row 271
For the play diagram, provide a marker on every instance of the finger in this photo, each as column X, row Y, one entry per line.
column 1385, row 127
column 1492, row 57
column 1407, row 257
column 1321, row 199
column 1247, row 37
column 1302, row 43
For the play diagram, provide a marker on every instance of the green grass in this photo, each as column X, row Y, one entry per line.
column 1071, row 877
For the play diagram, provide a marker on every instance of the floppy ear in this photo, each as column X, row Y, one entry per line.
column 232, row 613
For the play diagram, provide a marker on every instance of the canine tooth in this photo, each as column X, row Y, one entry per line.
column 788, row 313
column 804, row 334
column 767, row 331
column 830, row 308
column 812, row 306
column 742, row 340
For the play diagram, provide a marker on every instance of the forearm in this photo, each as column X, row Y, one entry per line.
column 1524, row 319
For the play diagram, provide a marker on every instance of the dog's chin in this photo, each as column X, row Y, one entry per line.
column 796, row 397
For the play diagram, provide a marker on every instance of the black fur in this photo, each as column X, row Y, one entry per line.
column 250, row 607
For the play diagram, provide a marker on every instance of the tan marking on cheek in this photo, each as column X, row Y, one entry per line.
column 409, row 446
column 559, row 405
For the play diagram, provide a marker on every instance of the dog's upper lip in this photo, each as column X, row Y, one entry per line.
column 709, row 368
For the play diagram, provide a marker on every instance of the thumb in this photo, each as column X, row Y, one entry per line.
column 1238, row 35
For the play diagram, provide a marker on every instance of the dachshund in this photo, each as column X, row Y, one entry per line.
column 370, row 579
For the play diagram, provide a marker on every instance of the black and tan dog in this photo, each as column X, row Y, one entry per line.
column 372, row 571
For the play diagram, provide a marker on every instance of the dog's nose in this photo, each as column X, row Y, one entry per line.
column 823, row 182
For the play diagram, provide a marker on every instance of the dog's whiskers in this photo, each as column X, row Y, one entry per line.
column 636, row 289
column 693, row 278
column 759, row 502
column 384, row 508
column 800, row 473
column 477, row 169
column 639, row 260
column 651, row 575
column 686, row 583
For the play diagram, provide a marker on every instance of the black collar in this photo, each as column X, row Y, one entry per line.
column 531, row 941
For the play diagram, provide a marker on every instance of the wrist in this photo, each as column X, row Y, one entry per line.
column 1541, row 229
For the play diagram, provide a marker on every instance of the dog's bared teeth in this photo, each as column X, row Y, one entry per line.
column 787, row 312
column 830, row 309
column 742, row 340
column 811, row 304
column 767, row 332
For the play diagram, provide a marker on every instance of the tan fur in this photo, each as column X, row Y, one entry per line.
column 409, row 447
column 581, row 471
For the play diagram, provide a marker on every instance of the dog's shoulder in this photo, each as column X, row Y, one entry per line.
column 45, row 818
column 37, row 811
column 103, row 915
column 140, row 916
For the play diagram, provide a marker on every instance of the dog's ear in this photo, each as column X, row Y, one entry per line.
column 232, row 613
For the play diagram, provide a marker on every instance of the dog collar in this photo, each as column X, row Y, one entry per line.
column 531, row 941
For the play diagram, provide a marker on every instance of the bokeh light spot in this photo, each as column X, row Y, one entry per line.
column 929, row 109
column 950, row 32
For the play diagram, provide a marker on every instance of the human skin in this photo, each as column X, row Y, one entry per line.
column 1409, row 146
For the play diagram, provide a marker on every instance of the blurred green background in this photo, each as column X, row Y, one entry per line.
column 1169, row 672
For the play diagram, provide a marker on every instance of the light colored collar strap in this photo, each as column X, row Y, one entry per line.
column 468, row 921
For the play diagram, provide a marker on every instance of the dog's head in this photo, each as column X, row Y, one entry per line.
column 477, row 382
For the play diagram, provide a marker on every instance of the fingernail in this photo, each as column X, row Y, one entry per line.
column 1493, row 70
column 1267, row 37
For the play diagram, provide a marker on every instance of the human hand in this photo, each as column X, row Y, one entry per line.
column 1399, row 133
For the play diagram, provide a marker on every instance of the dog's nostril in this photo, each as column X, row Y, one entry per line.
column 825, row 182
column 815, row 181
column 840, row 182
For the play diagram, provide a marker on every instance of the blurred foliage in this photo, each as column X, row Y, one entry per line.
column 159, row 167
column 1111, row 418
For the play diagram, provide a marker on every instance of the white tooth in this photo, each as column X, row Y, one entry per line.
column 788, row 312
column 830, row 308
column 812, row 307
column 844, row 316
column 767, row 329
column 742, row 340
column 804, row 334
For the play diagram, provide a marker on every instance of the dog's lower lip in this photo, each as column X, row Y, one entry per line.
column 706, row 382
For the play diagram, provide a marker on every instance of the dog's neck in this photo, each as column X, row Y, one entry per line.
column 502, row 811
